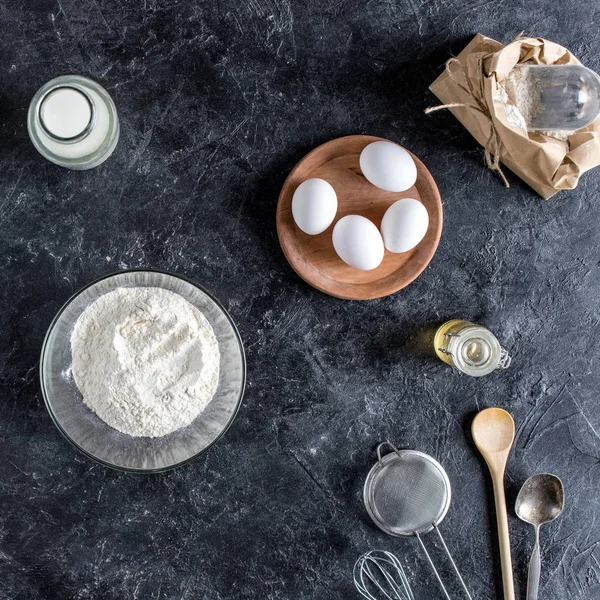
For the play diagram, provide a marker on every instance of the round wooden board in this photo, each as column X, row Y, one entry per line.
column 313, row 256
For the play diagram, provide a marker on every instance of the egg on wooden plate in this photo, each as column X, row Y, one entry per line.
column 358, row 243
column 314, row 205
column 388, row 166
column 404, row 225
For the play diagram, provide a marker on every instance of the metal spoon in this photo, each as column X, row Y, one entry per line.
column 540, row 501
column 493, row 432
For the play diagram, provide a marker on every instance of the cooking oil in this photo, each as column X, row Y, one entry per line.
column 470, row 348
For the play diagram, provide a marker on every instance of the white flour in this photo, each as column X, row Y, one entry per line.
column 525, row 93
column 513, row 114
column 145, row 360
column 521, row 95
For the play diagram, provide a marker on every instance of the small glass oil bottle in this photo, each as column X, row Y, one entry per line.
column 72, row 121
column 472, row 349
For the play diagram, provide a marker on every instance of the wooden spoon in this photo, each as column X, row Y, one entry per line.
column 493, row 431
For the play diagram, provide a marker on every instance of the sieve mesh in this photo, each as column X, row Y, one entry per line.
column 409, row 494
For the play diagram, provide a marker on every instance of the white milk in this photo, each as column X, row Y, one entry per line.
column 73, row 122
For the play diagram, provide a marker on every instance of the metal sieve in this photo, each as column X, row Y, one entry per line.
column 408, row 493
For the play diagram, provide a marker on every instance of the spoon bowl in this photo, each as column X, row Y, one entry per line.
column 540, row 500
column 493, row 431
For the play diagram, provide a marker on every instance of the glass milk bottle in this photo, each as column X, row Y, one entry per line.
column 472, row 349
column 72, row 121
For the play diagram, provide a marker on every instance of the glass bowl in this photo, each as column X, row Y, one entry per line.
column 87, row 432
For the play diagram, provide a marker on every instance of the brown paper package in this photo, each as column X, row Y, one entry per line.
column 547, row 164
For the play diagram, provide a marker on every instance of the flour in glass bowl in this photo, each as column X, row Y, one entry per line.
column 145, row 360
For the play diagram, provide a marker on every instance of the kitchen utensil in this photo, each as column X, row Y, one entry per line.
column 472, row 349
column 540, row 500
column 408, row 493
column 87, row 432
column 313, row 256
column 493, row 431
column 379, row 574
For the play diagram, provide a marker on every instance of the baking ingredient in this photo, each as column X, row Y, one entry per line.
column 358, row 242
column 73, row 122
column 66, row 112
column 519, row 106
column 543, row 164
column 404, row 225
column 314, row 205
column 554, row 100
column 145, row 360
column 470, row 348
column 88, row 144
column 524, row 94
column 513, row 114
column 555, row 97
column 388, row 166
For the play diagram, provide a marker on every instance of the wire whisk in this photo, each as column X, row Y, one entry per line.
column 379, row 574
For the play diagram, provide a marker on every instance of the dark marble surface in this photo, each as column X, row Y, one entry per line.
column 217, row 102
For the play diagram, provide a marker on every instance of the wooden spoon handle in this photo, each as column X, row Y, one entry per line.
column 503, row 537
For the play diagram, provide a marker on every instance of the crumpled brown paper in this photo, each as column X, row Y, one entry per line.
column 545, row 163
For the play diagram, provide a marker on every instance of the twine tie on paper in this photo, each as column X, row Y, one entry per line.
column 493, row 148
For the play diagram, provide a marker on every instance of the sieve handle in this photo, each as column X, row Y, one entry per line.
column 383, row 445
column 462, row 582
column 433, row 566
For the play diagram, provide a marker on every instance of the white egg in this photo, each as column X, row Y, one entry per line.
column 358, row 242
column 388, row 166
column 404, row 225
column 314, row 205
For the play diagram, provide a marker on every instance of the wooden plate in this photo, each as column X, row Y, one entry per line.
column 313, row 256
